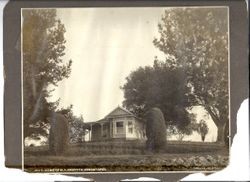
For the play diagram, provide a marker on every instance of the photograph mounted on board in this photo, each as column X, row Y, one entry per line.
column 125, row 89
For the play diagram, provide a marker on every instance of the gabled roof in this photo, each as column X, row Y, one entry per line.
column 119, row 111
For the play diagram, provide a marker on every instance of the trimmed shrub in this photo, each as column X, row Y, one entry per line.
column 58, row 135
column 155, row 130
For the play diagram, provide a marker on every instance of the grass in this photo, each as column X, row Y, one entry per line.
column 129, row 147
column 129, row 156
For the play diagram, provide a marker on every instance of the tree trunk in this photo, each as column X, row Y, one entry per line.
column 203, row 138
column 221, row 124
column 226, row 134
column 221, row 133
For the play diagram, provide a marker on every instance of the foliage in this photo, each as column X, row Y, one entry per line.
column 59, row 134
column 43, row 49
column 202, row 129
column 162, row 87
column 155, row 130
column 77, row 129
column 181, row 133
column 196, row 39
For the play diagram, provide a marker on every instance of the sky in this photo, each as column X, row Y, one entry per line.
column 105, row 45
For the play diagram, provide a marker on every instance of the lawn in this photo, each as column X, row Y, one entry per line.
column 86, row 157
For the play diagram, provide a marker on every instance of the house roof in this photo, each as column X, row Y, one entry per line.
column 117, row 112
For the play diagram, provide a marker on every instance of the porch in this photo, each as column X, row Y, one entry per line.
column 106, row 129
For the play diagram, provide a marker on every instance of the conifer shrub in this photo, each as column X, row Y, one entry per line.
column 155, row 130
column 59, row 134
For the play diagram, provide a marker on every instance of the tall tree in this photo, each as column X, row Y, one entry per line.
column 162, row 87
column 43, row 49
column 197, row 40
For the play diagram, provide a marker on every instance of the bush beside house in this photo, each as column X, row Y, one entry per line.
column 155, row 130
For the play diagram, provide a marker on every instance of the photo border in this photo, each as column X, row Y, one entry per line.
column 111, row 172
column 238, row 82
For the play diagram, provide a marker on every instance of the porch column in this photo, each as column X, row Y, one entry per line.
column 101, row 129
column 110, row 131
column 113, row 128
column 90, row 133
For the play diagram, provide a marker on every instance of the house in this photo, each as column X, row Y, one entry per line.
column 118, row 124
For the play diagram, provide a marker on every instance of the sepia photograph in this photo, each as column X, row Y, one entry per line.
column 125, row 89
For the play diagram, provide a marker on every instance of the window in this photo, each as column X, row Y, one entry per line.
column 130, row 127
column 119, row 127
